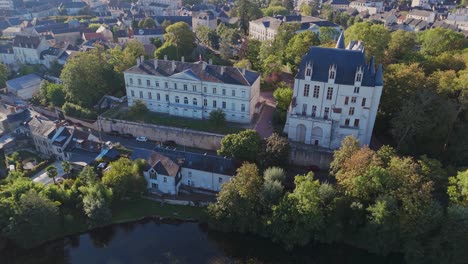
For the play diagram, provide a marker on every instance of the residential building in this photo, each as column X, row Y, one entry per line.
column 423, row 15
column 266, row 28
column 372, row 7
column 336, row 94
column 421, row 3
column 204, row 19
column 72, row 8
column 145, row 35
column 337, row 5
column 95, row 3
column 387, row 18
column 167, row 170
column 27, row 49
column 106, row 33
column 193, row 89
column 459, row 19
column 7, row 5
column 25, row 87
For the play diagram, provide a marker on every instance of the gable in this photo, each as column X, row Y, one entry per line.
column 186, row 75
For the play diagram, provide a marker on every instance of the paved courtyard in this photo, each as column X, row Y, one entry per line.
column 264, row 125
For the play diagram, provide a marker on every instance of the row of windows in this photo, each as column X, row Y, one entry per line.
column 194, row 101
column 332, row 75
column 317, row 91
column 354, row 99
column 356, row 122
column 186, row 87
column 326, row 111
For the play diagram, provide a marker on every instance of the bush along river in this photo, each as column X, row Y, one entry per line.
column 168, row 241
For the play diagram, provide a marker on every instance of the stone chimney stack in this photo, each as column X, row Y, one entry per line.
column 210, row 61
column 138, row 61
column 222, row 70
column 142, row 59
column 173, row 66
column 182, row 59
column 243, row 71
column 155, row 63
column 165, row 57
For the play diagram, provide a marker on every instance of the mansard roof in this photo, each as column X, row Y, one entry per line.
column 199, row 70
column 346, row 61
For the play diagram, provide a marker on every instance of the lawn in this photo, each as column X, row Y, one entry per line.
column 174, row 121
column 128, row 210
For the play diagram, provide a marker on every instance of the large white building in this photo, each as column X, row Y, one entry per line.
column 7, row 5
column 336, row 94
column 373, row 7
column 193, row 89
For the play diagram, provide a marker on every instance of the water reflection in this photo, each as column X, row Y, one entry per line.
column 160, row 241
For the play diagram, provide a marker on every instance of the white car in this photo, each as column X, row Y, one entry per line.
column 142, row 139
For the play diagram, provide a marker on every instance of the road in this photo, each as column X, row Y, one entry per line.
column 42, row 175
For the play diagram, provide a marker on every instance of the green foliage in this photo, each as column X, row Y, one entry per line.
column 66, row 166
column 438, row 40
column 375, row 37
column 207, row 36
column 327, row 34
column 401, row 45
column 124, row 178
column 55, row 94
column 275, row 10
column 167, row 49
column 218, row 118
column 244, row 145
column 77, row 111
column 94, row 26
column 275, row 152
column 138, row 108
column 96, row 204
column 181, row 36
column 239, row 203
column 52, row 172
column 283, row 97
column 88, row 175
column 274, row 174
column 299, row 45
column 3, row 74
column 147, row 22
column 272, row 64
column 246, row 11
column 458, row 189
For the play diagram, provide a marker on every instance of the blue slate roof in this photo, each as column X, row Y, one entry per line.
column 199, row 161
column 23, row 82
column 346, row 61
column 149, row 31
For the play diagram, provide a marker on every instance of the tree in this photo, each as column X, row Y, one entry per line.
column 375, row 38
column 3, row 74
column 35, row 218
column 167, row 49
column 253, row 52
column 207, row 36
column 94, row 26
column 458, row 189
column 349, row 146
column 274, row 174
column 67, row 167
column 244, row 145
column 402, row 44
column 239, row 204
column 285, row 33
column 246, row 11
column 275, row 152
column 55, row 94
column 124, row 178
column 138, row 109
column 88, row 175
column 299, row 45
column 225, row 50
column 438, row 40
column 52, row 172
column 283, row 97
column 327, row 34
column 272, row 65
column 96, row 204
column 218, row 118
column 275, row 10
column 181, row 36
column 147, row 22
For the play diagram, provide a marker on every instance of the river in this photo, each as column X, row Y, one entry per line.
column 153, row 241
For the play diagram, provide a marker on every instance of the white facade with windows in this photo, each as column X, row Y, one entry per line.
column 193, row 89
column 336, row 94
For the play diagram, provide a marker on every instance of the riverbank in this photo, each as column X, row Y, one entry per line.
column 128, row 211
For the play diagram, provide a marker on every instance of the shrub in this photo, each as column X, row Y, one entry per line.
column 77, row 111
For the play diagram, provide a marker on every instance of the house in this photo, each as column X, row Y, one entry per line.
column 25, row 87
column 52, row 55
column 161, row 173
column 27, row 49
column 7, row 56
column 423, row 15
column 12, row 116
column 145, row 35
column 266, row 28
column 92, row 36
column 426, row 4
column 7, row 5
column 372, row 7
column 122, row 37
column 337, row 5
column 167, row 170
column 336, row 94
column 72, row 8
column 416, row 25
column 459, row 19
column 106, row 33
column 193, row 89
column 66, row 35
column 387, row 18
column 204, row 19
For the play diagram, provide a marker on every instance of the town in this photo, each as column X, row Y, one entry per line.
column 300, row 121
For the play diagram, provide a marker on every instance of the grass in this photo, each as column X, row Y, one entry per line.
column 174, row 121
column 128, row 210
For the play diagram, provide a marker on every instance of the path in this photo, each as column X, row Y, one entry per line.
column 42, row 175
column 264, row 125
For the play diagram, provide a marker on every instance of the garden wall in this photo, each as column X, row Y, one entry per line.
column 307, row 155
column 186, row 137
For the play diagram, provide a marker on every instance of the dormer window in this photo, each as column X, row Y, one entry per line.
column 358, row 77
column 153, row 175
column 308, row 72
column 359, row 73
column 332, row 72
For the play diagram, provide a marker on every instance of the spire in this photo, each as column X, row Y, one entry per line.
column 379, row 76
column 340, row 43
column 372, row 65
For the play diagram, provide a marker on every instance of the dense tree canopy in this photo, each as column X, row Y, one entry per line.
column 124, row 177
column 374, row 36
column 181, row 36
column 244, row 145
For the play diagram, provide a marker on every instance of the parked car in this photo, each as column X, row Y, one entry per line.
column 142, row 139
column 127, row 135
column 114, row 133
column 169, row 143
column 313, row 168
column 109, row 144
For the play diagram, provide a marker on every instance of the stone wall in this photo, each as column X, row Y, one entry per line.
column 308, row 155
column 186, row 137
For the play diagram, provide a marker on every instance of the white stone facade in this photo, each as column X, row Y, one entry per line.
column 193, row 90
column 333, row 101
column 369, row 6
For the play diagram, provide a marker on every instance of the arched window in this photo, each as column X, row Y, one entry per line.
column 185, row 100
column 195, row 101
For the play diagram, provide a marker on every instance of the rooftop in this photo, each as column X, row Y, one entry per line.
column 159, row 162
column 24, row 82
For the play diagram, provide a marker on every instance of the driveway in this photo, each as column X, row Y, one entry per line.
column 42, row 175
column 264, row 125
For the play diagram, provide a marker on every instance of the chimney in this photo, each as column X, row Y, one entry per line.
column 210, row 61
column 165, row 57
column 222, row 70
column 138, row 61
column 142, row 59
column 173, row 66
column 243, row 71
column 182, row 59
column 204, row 65
column 155, row 63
